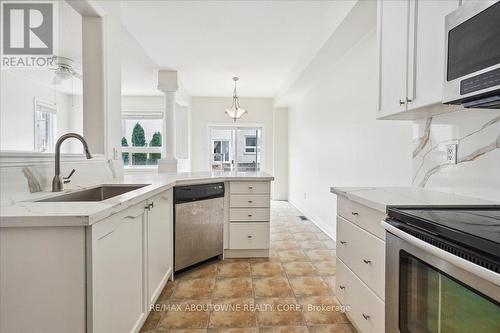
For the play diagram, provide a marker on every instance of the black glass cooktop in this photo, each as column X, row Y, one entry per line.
column 475, row 227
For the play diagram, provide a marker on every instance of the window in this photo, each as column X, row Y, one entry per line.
column 250, row 144
column 142, row 138
column 221, row 150
column 45, row 125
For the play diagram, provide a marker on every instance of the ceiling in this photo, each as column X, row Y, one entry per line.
column 209, row 42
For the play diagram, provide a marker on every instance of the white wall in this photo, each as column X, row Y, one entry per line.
column 334, row 139
column 207, row 111
column 17, row 112
column 280, row 154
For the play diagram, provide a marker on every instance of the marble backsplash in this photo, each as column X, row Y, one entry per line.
column 477, row 171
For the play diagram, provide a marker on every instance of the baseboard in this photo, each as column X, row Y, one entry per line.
column 307, row 214
column 263, row 253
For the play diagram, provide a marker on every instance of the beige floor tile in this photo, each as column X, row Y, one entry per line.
column 233, row 313
column 152, row 321
column 272, row 287
column 266, row 269
column 329, row 244
column 166, row 293
column 292, row 255
column 325, row 268
column 208, row 270
column 311, row 245
column 330, row 281
column 234, row 269
column 335, row 328
column 322, row 310
column 190, row 314
column 321, row 255
column 234, row 330
column 284, row 329
column 233, row 288
column 299, row 268
column 309, row 286
column 193, row 289
column 299, row 229
column 281, row 236
column 285, row 245
column 279, row 312
column 306, row 236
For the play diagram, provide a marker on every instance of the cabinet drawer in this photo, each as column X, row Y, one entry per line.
column 249, row 214
column 367, row 310
column 250, row 187
column 246, row 236
column 365, row 217
column 250, row 200
column 107, row 226
column 363, row 253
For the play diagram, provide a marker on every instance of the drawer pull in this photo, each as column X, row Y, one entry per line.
column 250, row 201
column 249, row 215
column 250, row 236
column 341, row 287
column 355, row 213
column 250, row 187
column 366, row 316
column 366, row 261
column 343, row 242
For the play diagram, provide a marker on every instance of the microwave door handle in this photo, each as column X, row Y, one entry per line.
column 466, row 265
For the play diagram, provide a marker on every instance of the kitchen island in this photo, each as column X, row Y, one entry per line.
column 98, row 266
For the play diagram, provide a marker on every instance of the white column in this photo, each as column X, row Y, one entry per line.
column 167, row 83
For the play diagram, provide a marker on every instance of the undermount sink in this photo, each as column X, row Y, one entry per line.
column 99, row 193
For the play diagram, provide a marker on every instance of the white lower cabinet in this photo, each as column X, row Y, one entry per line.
column 160, row 241
column 367, row 311
column 249, row 236
column 130, row 262
column 360, row 281
column 118, row 303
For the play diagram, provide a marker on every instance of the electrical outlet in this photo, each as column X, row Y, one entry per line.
column 451, row 153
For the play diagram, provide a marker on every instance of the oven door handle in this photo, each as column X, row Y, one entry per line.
column 466, row 265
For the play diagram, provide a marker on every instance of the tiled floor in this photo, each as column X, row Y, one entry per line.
column 290, row 292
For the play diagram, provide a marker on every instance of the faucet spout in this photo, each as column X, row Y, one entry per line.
column 58, row 180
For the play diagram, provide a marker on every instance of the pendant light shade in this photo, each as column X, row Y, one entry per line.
column 235, row 111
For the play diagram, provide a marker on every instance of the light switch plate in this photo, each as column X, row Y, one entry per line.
column 451, row 153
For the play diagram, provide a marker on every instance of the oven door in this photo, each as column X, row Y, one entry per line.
column 429, row 291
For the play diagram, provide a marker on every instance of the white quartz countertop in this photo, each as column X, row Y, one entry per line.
column 380, row 197
column 29, row 213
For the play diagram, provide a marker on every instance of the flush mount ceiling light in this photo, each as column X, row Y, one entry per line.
column 235, row 111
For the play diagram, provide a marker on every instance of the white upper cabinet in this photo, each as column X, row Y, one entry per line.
column 411, row 57
column 393, row 44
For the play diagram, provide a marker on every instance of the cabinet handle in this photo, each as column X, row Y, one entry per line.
column 341, row 287
column 151, row 205
column 408, row 100
column 402, row 102
column 250, row 236
column 366, row 316
column 250, row 201
column 343, row 242
column 250, row 187
column 249, row 215
column 366, row 261
column 354, row 213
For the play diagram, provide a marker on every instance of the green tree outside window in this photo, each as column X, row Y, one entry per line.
column 155, row 142
column 125, row 156
column 138, row 140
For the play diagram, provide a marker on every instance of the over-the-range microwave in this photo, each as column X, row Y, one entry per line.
column 472, row 55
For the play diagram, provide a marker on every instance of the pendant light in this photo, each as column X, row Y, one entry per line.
column 235, row 111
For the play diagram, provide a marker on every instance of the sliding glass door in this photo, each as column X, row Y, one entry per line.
column 235, row 148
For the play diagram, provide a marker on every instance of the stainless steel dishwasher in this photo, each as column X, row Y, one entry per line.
column 198, row 224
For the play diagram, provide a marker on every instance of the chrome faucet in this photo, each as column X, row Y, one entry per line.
column 58, row 181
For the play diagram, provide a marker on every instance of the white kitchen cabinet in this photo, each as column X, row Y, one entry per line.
column 118, row 302
column 159, row 243
column 411, row 58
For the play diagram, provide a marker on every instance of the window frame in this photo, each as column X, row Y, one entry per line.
column 142, row 115
column 247, row 147
column 50, row 109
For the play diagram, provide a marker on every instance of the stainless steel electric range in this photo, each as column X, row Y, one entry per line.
column 443, row 269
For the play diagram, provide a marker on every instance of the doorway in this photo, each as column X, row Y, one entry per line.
column 235, row 148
